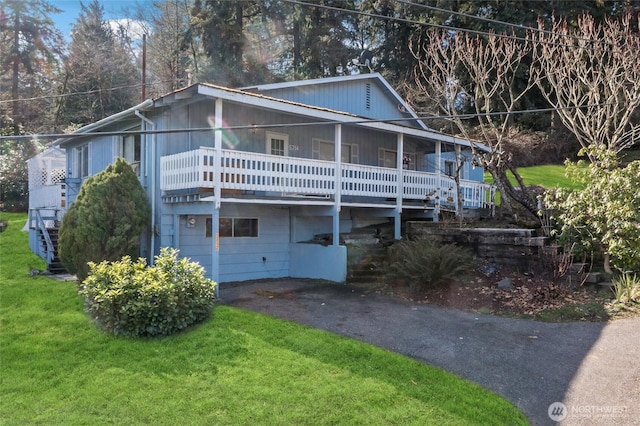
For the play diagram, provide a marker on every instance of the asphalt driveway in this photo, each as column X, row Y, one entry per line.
column 591, row 368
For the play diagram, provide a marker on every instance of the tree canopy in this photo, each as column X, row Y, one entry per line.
column 30, row 45
column 99, row 77
column 237, row 43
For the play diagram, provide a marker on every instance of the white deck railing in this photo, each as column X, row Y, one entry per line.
column 290, row 175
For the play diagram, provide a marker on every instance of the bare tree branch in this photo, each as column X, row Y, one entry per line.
column 457, row 71
column 593, row 79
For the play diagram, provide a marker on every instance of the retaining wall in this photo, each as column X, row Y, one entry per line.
column 516, row 248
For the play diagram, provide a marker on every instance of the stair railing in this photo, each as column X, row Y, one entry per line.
column 47, row 238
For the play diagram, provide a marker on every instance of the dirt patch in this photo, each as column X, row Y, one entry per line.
column 523, row 296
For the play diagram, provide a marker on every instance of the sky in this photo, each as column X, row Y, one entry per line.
column 113, row 9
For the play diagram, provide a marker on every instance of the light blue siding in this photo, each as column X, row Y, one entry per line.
column 362, row 97
column 318, row 261
column 301, row 138
column 242, row 258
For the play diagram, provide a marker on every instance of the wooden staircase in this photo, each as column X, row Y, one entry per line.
column 48, row 228
column 54, row 265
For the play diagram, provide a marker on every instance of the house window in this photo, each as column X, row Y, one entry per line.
column 326, row 151
column 130, row 150
column 234, row 227
column 277, row 143
column 82, row 161
column 389, row 159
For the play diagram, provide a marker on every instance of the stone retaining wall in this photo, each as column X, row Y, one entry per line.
column 519, row 249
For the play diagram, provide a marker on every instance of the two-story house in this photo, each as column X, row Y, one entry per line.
column 241, row 180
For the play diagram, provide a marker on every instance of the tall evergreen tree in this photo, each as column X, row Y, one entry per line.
column 220, row 25
column 29, row 46
column 100, row 77
column 323, row 39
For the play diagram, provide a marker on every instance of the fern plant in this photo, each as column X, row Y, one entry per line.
column 425, row 263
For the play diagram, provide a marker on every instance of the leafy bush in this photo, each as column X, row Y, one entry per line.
column 105, row 221
column 132, row 299
column 425, row 262
column 604, row 217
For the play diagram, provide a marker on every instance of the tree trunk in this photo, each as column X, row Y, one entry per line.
column 15, row 78
column 607, row 263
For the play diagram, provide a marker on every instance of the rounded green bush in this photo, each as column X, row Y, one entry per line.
column 132, row 299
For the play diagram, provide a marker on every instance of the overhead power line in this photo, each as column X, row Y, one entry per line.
column 358, row 12
column 53, row 136
column 491, row 20
column 443, row 26
column 87, row 92
column 401, row 19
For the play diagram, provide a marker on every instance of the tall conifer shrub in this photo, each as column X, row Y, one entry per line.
column 105, row 221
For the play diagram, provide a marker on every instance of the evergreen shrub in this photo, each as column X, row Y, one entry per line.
column 132, row 299
column 106, row 220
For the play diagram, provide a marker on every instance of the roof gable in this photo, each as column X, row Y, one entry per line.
column 364, row 95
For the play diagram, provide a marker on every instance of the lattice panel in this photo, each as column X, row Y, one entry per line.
column 57, row 175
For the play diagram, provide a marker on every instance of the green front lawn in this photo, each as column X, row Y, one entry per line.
column 548, row 176
column 238, row 368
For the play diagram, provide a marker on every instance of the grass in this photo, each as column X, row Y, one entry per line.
column 591, row 311
column 239, row 367
column 548, row 176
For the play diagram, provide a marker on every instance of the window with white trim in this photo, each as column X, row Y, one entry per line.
column 277, row 143
column 326, row 150
column 129, row 149
column 388, row 158
column 81, row 161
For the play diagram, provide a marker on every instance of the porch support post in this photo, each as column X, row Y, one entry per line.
column 217, row 152
column 458, row 176
column 215, row 215
column 338, row 183
column 215, row 256
column 436, row 211
column 400, row 187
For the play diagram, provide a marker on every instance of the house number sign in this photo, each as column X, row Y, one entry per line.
column 294, row 147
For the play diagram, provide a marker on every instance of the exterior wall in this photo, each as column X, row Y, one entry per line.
column 301, row 138
column 240, row 258
column 362, row 97
column 318, row 261
column 275, row 253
